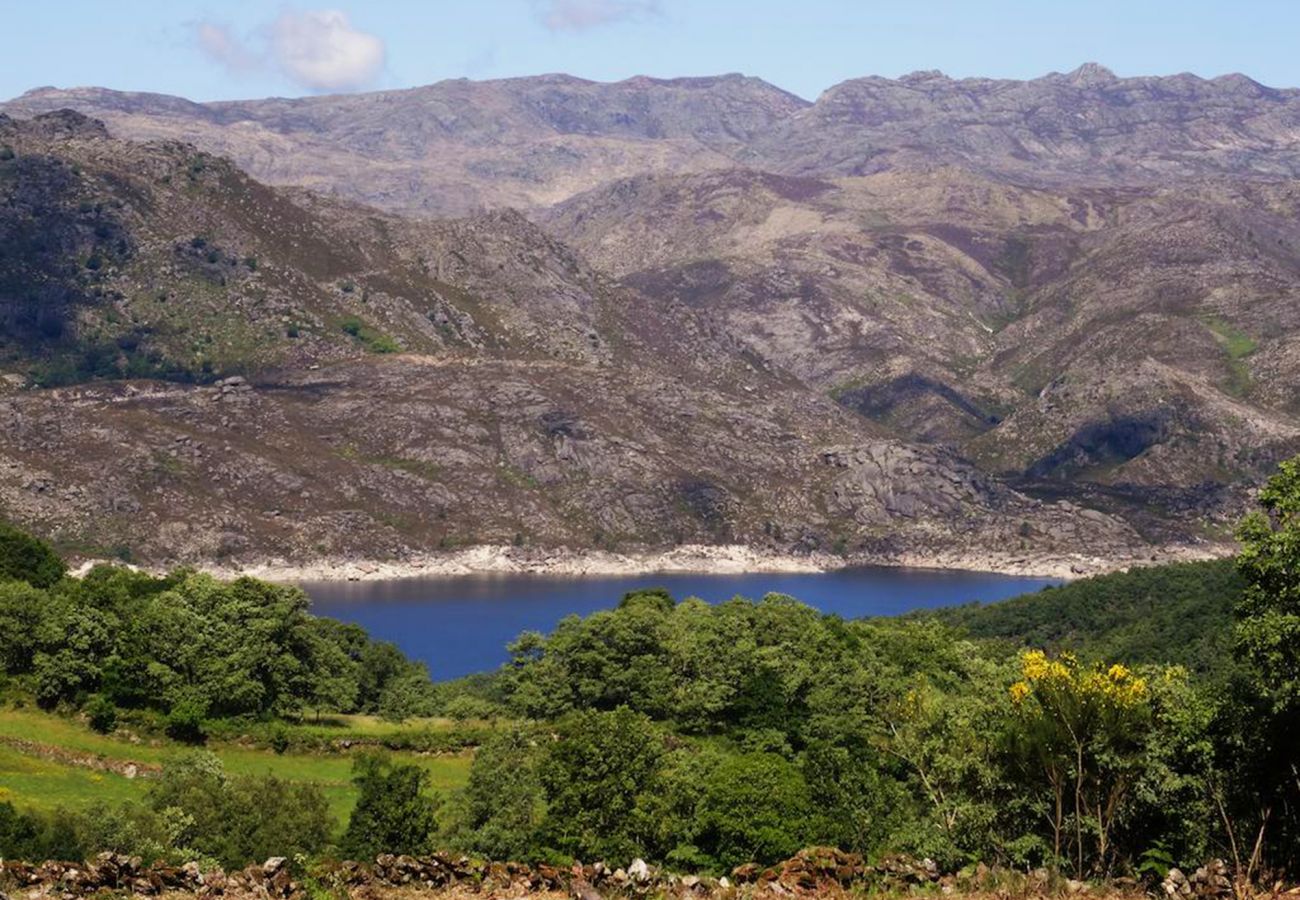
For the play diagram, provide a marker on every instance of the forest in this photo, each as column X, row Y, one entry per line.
column 1113, row 726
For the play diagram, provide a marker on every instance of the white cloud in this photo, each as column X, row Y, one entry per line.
column 322, row 51
column 581, row 15
column 316, row 49
column 222, row 47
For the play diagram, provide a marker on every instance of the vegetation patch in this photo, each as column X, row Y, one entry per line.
column 373, row 340
column 1238, row 346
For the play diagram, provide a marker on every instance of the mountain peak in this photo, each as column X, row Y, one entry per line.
column 65, row 123
column 1091, row 74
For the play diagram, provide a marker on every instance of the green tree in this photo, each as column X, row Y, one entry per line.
column 1268, row 614
column 22, row 607
column 595, row 776
column 1267, row 635
column 503, row 800
column 394, row 814
column 407, row 696
column 24, row 558
column 755, row 808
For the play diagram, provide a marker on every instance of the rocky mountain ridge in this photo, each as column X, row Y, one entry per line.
column 458, row 145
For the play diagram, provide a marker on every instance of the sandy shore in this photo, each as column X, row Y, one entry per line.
column 698, row 559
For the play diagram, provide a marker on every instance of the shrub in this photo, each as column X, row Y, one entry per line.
column 239, row 819
column 393, row 814
column 186, row 721
column 374, row 341
column 382, row 343
column 279, row 739
column 102, row 714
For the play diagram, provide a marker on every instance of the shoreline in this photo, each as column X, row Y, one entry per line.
column 699, row 559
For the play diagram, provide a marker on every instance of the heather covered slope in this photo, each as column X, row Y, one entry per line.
column 1119, row 337
column 1077, row 287
column 404, row 387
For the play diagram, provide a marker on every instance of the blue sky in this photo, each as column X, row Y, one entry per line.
column 239, row 48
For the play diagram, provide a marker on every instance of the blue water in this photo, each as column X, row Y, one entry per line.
column 458, row 625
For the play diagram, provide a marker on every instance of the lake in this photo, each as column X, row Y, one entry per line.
column 461, row 624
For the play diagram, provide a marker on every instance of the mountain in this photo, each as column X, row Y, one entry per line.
column 1141, row 337
column 223, row 371
column 1087, row 126
column 455, row 146
column 915, row 317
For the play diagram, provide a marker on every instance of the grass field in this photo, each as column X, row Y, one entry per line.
column 31, row 782
column 35, row 781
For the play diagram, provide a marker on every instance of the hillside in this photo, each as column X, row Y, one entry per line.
column 230, row 373
column 1179, row 614
column 914, row 320
column 456, row 146
column 1136, row 337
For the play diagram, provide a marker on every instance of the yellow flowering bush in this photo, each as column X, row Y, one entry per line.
column 1082, row 727
column 1053, row 680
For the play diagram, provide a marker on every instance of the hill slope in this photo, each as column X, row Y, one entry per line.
column 402, row 387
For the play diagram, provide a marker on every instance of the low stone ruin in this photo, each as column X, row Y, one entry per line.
column 1210, row 882
column 816, row 870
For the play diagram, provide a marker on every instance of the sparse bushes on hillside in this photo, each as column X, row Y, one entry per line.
column 372, row 340
column 195, row 811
